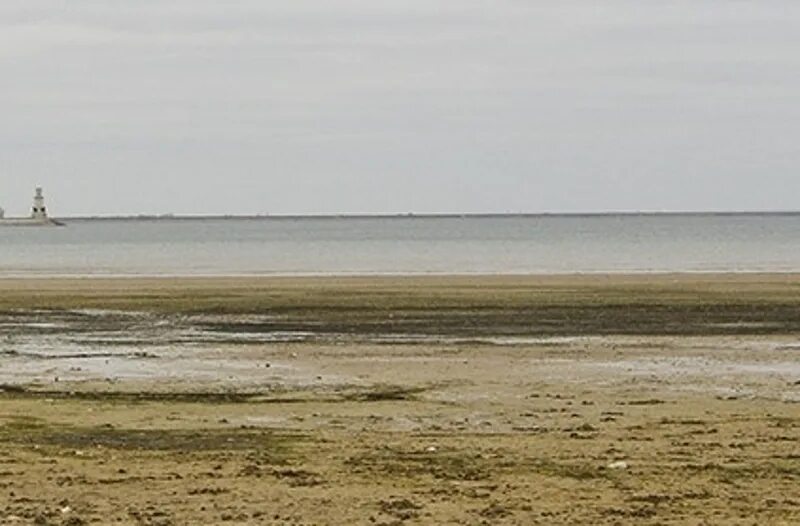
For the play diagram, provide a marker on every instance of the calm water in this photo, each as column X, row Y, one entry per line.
column 545, row 244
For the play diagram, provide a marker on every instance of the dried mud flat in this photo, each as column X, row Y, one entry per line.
column 572, row 400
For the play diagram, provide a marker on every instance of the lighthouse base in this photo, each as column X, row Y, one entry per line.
column 28, row 221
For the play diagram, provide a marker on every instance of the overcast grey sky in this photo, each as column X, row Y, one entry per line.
column 393, row 106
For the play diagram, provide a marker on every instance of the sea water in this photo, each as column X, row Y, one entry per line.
column 406, row 245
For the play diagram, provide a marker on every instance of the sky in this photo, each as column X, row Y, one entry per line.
column 123, row 107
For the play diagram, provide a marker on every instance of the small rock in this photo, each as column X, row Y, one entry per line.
column 620, row 464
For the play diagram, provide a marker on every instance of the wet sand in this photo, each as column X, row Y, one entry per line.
column 444, row 400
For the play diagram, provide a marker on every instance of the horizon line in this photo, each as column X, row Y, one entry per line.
column 434, row 215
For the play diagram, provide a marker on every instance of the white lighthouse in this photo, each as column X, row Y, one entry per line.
column 38, row 215
column 39, row 211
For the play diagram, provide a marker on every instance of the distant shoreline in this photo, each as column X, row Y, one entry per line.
column 475, row 277
column 169, row 217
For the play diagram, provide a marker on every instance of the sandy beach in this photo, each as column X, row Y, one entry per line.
column 594, row 399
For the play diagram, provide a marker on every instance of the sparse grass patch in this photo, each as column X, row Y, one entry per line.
column 276, row 446
column 384, row 393
column 130, row 397
column 576, row 471
column 445, row 465
column 465, row 465
column 339, row 394
column 736, row 473
column 402, row 509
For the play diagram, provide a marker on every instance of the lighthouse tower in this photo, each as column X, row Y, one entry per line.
column 39, row 211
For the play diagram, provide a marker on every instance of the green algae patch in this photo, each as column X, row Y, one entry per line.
column 37, row 434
